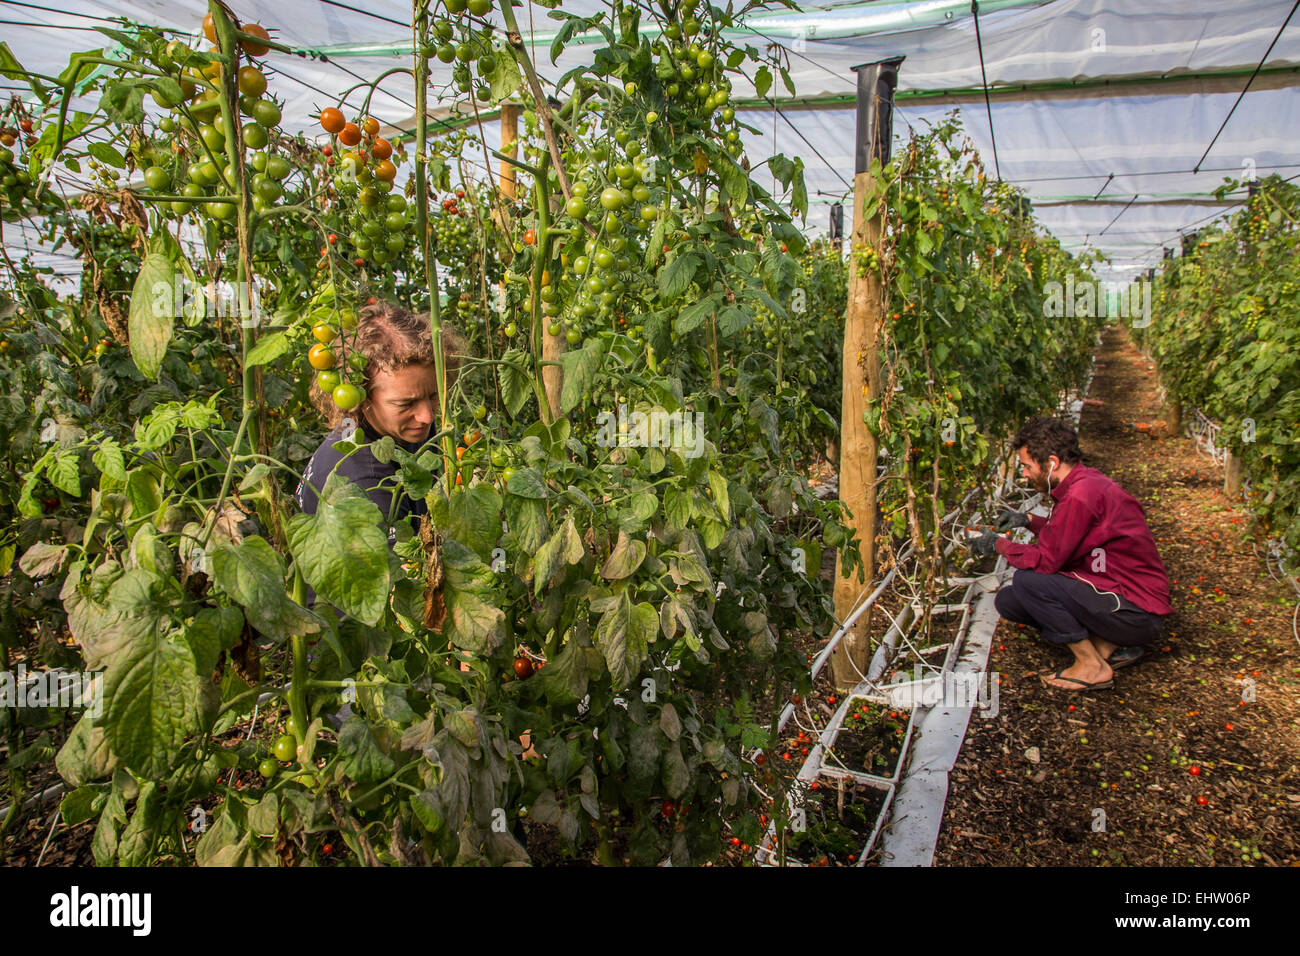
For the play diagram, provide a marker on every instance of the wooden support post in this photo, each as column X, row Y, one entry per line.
column 1232, row 476
column 509, row 147
column 861, row 370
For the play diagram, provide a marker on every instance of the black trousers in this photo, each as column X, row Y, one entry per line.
column 1066, row 610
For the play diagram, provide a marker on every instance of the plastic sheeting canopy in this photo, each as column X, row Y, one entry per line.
column 1109, row 114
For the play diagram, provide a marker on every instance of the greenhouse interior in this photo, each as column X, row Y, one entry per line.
column 650, row 433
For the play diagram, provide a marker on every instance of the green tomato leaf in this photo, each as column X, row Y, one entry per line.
column 152, row 313
column 675, row 278
column 252, row 574
column 363, row 761
column 623, row 636
column 268, row 348
column 626, row 557
column 343, row 553
column 151, row 687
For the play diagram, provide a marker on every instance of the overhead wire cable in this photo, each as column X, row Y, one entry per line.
column 984, row 78
column 1242, row 95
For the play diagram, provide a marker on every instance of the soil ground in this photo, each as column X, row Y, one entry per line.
column 1116, row 777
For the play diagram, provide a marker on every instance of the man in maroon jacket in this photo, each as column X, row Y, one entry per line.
column 1093, row 581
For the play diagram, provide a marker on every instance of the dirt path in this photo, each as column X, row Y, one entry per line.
column 1175, row 728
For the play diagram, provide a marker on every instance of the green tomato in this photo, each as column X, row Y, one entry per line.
column 576, row 207
column 396, row 203
column 446, row 52
column 270, row 191
column 347, row 396
column 277, row 167
column 212, row 137
column 328, row 380
column 573, row 337
column 294, row 728
column 511, row 330
column 499, row 458
column 285, row 749
column 205, row 173
column 220, row 210
column 266, row 113
column 611, row 198
column 651, row 118
column 255, row 137
column 156, row 178
column 268, row 768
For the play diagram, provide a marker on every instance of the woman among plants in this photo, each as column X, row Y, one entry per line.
column 393, row 349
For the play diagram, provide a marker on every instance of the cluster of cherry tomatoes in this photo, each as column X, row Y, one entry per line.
column 324, row 356
column 364, row 174
column 201, row 169
column 17, row 188
column 452, row 231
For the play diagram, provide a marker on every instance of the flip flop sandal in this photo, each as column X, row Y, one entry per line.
column 1083, row 685
column 1125, row 656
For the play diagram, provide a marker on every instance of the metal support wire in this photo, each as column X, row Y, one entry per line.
column 984, row 78
column 1246, row 88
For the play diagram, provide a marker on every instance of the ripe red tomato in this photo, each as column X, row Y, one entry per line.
column 350, row 135
column 523, row 668
column 252, row 48
column 331, row 120
column 668, row 809
column 371, row 126
column 381, row 149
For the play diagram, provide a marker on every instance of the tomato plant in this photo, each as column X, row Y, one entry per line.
column 1224, row 330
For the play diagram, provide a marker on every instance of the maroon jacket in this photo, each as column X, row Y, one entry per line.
column 1097, row 533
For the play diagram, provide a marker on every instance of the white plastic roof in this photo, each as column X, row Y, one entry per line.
column 1104, row 111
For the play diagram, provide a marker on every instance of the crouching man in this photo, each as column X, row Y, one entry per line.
column 1093, row 580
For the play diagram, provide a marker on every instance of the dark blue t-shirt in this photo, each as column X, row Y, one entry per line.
column 377, row 479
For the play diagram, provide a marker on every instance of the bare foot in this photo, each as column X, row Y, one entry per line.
column 1080, row 671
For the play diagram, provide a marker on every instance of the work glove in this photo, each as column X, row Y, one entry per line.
column 1009, row 519
column 984, row 545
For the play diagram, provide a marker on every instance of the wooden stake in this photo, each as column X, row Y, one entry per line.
column 861, row 372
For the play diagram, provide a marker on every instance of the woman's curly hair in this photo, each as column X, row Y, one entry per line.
column 1044, row 436
column 391, row 337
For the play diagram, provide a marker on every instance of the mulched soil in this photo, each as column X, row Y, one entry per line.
column 1033, row 785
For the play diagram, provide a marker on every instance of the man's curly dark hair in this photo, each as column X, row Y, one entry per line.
column 1044, row 436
